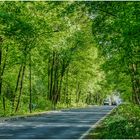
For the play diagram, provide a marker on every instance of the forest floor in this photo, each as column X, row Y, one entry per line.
column 122, row 123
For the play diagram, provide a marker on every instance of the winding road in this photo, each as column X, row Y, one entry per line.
column 65, row 124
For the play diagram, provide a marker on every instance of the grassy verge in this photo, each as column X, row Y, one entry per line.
column 23, row 114
column 23, row 111
column 122, row 123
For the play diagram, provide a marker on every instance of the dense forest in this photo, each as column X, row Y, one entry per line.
column 67, row 54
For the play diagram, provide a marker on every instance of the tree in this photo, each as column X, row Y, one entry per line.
column 115, row 29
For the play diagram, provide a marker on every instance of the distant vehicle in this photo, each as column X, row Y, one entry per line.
column 116, row 101
column 112, row 100
column 107, row 102
column 113, row 103
column 119, row 101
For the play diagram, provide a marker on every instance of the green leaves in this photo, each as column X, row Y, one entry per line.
column 115, row 27
column 122, row 123
column 64, row 54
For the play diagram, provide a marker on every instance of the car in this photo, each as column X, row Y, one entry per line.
column 113, row 103
column 107, row 102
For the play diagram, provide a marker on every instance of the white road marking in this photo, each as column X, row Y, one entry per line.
column 95, row 125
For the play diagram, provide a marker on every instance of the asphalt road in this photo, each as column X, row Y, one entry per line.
column 66, row 124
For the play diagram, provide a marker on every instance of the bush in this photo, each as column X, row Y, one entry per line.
column 122, row 123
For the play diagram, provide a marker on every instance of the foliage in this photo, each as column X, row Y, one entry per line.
column 47, row 57
column 67, row 54
column 122, row 123
column 115, row 27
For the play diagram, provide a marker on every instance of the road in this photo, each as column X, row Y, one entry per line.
column 66, row 124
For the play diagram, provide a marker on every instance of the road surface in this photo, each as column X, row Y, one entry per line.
column 66, row 124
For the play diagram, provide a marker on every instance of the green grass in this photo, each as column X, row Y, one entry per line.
column 23, row 111
column 122, row 123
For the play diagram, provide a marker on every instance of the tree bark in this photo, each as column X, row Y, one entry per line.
column 61, row 79
column 2, row 73
column 135, row 84
column 54, row 90
column 17, row 84
column 22, row 79
column 21, row 87
column 30, row 83
column 51, row 78
column 67, row 94
column 0, row 63
column 77, row 92
column 48, row 95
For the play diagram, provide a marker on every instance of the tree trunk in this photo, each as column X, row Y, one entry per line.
column 48, row 95
column 21, row 87
column 1, row 40
column 16, row 88
column 67, row 94
column 2, row 73
column 77, row 92
column 30, row 83
column 54, row 91
column 51, row 78
column 61, row 79
column 135, row 84
column 0, row 69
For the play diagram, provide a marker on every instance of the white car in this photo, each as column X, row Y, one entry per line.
column 107, row 102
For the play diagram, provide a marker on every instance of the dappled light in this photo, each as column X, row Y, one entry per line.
column 64, row 65
column 67, row 124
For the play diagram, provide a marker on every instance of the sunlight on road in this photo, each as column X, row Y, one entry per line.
column 65, row 124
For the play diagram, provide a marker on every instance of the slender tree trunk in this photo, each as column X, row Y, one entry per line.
column 54, row 91
column 135, row 84
column 0, row 63
column 79, row 95
column 56, row 88
column 30, row 83
column 64, row 90
column 57, row 82
column 1, row 77
column 4, row 104
column 51, row 77
column 0, row 70
column 4, row 63
column 137, row 77
column 77, row 91
column 16, row 88
column 67, row 94
column 21, row 87
column 61, row 79
column 2, row 73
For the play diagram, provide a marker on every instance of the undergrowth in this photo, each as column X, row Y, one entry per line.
column 122, row 123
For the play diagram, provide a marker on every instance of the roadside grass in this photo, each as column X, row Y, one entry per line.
column 122, row 123
column 24, row 111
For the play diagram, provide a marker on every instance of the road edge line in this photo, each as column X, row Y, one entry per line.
column 95, row 125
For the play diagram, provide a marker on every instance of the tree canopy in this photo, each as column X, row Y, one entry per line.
column 67, row 54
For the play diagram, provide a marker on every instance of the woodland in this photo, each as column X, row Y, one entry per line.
column 64, row 54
